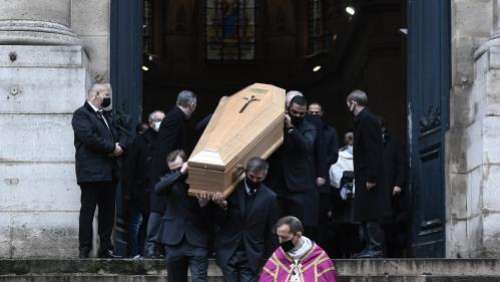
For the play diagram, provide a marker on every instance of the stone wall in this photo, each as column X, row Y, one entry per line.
column 90, row 19
column 50, row 50
column 473, row 170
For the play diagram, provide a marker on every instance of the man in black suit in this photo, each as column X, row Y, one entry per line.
column 396, row 229
column 98, row 145
column 326, row 154
column 245, row 221
column 184, row 224
column 293, row 173
column 138, row 185
column 171, row 136
column 371, row 206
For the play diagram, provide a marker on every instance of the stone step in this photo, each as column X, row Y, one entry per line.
column 397, row 270
column 162, row 278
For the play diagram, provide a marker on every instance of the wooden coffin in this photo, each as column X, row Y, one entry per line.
column 245, row 125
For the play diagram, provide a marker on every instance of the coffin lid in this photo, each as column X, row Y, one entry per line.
column 233, row 127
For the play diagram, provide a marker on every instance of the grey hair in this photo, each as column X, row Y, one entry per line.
column 359, row 97
column 257, row 164
column 186, row 98
column 293, row 223
column 151, row 115
column 97, row 87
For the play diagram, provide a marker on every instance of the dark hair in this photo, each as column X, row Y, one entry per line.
column 141, row 127
column 257, row 164
column 299, row 100
column 316, row 103
column 174, row 154
column 293, row 223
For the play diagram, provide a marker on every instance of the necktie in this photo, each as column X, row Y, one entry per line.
column 101, row 116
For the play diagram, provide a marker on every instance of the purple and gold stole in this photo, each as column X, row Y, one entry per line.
column 315, row 266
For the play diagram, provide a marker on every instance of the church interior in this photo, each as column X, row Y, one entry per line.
column 324, row 48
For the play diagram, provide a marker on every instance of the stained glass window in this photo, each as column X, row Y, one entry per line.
column 316, row 33
column 147, row 28
column 230, row 29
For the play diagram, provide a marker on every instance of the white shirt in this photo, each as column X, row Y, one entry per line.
column 99, row 112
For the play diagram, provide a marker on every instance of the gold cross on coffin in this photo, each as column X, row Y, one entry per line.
column 249, row 101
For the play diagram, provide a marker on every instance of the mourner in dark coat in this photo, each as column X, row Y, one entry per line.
column 138, row 185
column 292, row 174
column 245, row 221
column 98, row 145
column 171, row 136
column 397, row 228
column 326, row 154
column 371, row 205
column 185, row 222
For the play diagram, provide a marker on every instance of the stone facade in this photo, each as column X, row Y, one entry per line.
column 50, row 50
column 473, row 171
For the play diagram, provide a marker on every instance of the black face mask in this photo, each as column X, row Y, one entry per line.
column 252, row 185
column 297, row 120
column 106, row 102
column 287, row 246
column 316, row 120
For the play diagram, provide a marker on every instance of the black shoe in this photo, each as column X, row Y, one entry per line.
column 83, row 254
column 107, row 254
column 369, row 254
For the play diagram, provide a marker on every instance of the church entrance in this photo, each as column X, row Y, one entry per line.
column 397, row 51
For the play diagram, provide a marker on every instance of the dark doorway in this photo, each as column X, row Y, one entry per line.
column 312, row 46
column 216, row 47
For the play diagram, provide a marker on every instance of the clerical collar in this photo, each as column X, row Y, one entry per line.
column 305, row 244
column 94, row 108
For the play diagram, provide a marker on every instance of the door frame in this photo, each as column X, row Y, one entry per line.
column 424, row 122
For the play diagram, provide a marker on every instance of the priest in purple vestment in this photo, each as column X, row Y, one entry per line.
column 298, row 259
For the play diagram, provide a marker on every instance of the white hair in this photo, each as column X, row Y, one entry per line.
column 98, row 87
column 292, row 94
column 153, row 114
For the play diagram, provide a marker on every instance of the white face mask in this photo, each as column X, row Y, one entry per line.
column 156, row 126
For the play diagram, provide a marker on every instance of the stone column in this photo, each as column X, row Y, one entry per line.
column 43, row 79
column 496, row 19
column 36, row 22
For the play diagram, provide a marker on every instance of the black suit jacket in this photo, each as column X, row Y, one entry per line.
column 172, row 136
column 298, row 158
column 254, row 230
column 183, row 217
column 94, row 142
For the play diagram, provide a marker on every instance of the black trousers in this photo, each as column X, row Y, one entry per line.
column 183, row 256
column 304, row 206
column 238, row 269
column 102, row 195
column 374, row 236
